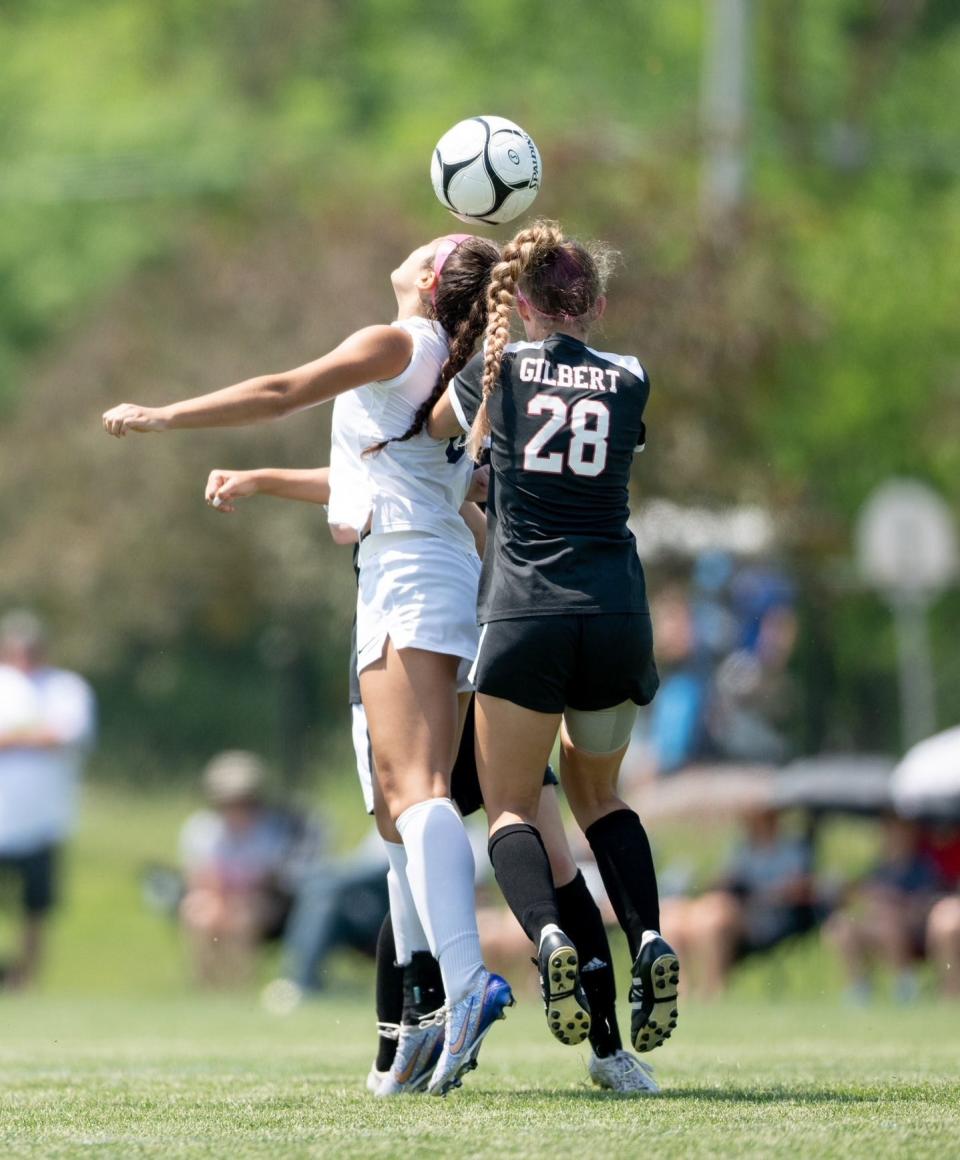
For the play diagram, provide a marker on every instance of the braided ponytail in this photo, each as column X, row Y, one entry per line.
column 531, row 246
column 460, row 307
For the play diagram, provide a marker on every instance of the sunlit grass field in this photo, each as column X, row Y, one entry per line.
column 193, row 1077
column 113, row 1056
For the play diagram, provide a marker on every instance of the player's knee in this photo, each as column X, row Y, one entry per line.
column 401, row 788
column 944, row 920
column 718, row 913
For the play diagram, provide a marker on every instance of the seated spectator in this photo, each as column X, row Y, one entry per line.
column 237, row 857
column 46, row 728
column 765, row 895
column 941, row 844
column 884, row 917
column 337, row 903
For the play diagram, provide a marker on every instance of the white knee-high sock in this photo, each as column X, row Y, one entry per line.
column 440, row 870
column 408, row 934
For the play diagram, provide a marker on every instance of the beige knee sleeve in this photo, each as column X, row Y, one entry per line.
column 601, row 731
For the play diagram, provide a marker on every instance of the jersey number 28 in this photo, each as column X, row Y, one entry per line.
column 589, row 424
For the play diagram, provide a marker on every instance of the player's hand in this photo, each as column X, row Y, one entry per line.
column 132, row 417
column 224, row 486
column 479, row 485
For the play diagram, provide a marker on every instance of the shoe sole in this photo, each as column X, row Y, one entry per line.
column 567, row 1018
column 662, row 1019
column 470, row 1062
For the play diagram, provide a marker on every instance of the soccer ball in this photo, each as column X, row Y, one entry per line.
column 486, row 169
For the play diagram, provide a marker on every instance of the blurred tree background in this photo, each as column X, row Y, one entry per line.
column 192, row 193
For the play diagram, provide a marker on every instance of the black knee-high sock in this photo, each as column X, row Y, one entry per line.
column 522, row 870
column 580, row 919
column 389, row 992
column 624, row 859
column 422, row 987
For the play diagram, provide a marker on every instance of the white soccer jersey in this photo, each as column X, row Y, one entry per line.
column 418, row 485
column 38, row 786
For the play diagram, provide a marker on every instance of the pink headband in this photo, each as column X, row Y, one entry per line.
column 447, row 245
column 521, row 297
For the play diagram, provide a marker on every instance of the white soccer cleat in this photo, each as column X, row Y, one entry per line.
column 418, row 1049
column 623, row 1073
column 375, row 1079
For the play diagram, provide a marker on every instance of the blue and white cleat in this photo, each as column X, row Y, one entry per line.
column 466, row 1022
column 418, row 1050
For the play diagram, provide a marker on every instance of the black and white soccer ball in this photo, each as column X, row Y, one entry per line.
column 486, row 169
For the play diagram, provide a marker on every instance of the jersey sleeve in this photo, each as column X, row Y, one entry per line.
column 642, row 434
column 466, row 391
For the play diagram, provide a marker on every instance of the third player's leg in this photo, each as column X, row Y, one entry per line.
column 513, row 745
column 625, row 861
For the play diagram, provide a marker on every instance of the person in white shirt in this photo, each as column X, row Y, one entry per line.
column 47, row 724
column 399, row 491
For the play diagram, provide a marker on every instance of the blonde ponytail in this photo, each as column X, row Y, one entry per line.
column 529, row 246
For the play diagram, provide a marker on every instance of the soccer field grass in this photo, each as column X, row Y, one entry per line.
column 189, row 1077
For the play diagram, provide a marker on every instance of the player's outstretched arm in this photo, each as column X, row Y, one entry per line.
column 376, row 352
column 444, row 422
column 225, row 487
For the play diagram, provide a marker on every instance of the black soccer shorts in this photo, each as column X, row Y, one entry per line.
column 37, row 874
column 584, row 661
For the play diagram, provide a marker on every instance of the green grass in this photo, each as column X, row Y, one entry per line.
column 188, row 1077
column 113, row 1057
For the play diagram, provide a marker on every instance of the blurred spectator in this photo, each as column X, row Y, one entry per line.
column 715, row 625
column 47, row 721
column 337, row 903
column 754, row 696
column 765, row 895
column 723, row 652
column 670, row 732
column 676, row 716
column 883, row 920
column 941, row 844
column 240, row 858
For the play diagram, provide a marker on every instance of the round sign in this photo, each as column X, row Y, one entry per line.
column 906, row 539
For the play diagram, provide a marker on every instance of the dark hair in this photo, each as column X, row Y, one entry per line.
column 460, row 306
column 559, row 277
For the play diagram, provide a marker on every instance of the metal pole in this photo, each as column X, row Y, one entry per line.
column 723, row 111
column 918, row 714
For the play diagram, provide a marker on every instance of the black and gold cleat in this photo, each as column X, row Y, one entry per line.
column 564, row 1001
column 653, row 993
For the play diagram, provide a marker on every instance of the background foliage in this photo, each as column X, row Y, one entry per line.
column 193, row 193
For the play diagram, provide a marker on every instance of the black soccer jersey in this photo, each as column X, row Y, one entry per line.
column 565, row 423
